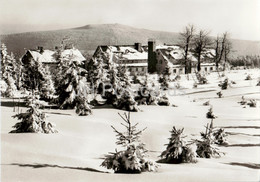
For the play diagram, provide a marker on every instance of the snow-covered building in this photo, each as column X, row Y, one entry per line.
column 173, row 56
column 52, row 58
column 134, row 57
column 140, row 59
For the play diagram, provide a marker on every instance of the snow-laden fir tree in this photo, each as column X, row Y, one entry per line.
column 164, row 79
column 47, row 86
column 33, row 121
column 11, row 87
column 7, row 63
column 132, row 158
column 8, row 70
column 178, row 150
column 97, row 73
column 73, row 89
column 118, row 90
column 33, row 75
column 123, row 76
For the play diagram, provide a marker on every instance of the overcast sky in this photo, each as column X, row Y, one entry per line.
column 239, row 17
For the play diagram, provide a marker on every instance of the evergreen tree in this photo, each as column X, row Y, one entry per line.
column 33, row 121
column 73, row 90
column 11, row 87
column 133, row 158
column 97, row 75
column 33, row 76
column 119, row 92
column 178, row 150
column 47, row 85
column 164, row 79
column 8, row 65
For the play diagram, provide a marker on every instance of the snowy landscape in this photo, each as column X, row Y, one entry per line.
column 175, row 100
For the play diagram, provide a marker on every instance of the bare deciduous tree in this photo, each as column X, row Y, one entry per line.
column 223, row 48
column 186, row 39
column 201, row 42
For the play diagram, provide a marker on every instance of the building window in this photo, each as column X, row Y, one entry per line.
column 211, row 68
column 136, row 69
column 143, row 69
column 174, row 70
column 130, row 69
column 206, row 69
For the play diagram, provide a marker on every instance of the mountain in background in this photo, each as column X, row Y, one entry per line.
column 88, row 37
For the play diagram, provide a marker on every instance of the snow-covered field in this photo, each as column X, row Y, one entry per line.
column 76, row 152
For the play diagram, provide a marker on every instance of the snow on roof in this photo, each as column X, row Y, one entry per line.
column 48, row 56
column 136, row 65
column 73, row 54
column 127, row 52
column 45, row 57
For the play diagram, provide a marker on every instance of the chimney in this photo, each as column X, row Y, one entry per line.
column 40, row 49
column 138, row 47
column 151, row 56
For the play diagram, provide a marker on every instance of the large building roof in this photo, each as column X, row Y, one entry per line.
column 125, row 52
column 49, row 56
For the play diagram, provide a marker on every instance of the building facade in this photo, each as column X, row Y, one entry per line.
column 140, row 59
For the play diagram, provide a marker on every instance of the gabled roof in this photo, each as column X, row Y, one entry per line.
column 124, row 52
column 48, row 56
column 72, row 54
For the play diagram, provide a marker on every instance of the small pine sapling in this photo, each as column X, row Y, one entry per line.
column 248, row 77
column 258, row 82
column 206, row 103
column 220, row 95
column 178, row 151
column 210, row 114
column 252, row 103
column 224, row 85
column 33, row 121
column 133, row 158
column 220, row 136
column 243, row 101
column 205, row 146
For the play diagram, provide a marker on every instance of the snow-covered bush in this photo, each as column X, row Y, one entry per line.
column 82, row 106
column 224, row 85
column 163, row 101
column 243, row 101
column 136, row 80
column 133, row 158
column 220, row 136
column 201, row 78
column 258, row 82
column 220, row 95
column 252, row 103
column 33, row 121
column 126, row 101
column 178, row 151
column 248, row 77
column 210, row 114
column 206, row 103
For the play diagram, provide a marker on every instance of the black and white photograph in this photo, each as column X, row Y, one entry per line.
column 130, row 90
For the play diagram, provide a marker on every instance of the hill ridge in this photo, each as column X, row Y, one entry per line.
column 86, row 38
